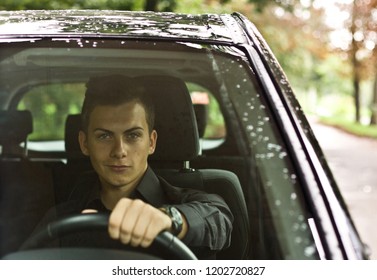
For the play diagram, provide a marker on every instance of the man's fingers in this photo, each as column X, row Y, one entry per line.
column 130, row 220
column 158, row 222
column 89, row 211
column 136, row 223
column 141, row 226
column 149, row 236
column 117, row 216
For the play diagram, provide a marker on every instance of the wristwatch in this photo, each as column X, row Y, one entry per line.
column 176, row 218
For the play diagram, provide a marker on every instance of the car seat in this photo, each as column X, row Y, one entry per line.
column 178, row 140
column 26, row 187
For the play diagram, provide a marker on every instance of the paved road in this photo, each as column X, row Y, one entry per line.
column 353, row 161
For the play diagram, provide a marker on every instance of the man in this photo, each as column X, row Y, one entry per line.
column 118, row 136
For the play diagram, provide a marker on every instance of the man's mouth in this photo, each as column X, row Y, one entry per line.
column 118, row 168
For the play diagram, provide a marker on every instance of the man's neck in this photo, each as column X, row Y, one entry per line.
column 110, row 195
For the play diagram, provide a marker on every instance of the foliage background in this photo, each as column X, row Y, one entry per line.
column 326, row 47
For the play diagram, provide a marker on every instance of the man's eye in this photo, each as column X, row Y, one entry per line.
column 104, row 136
column 133, row 136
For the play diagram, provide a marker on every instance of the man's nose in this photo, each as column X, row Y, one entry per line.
column 119, row 148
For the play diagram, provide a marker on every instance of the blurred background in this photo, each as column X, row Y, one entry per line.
column 328, row 51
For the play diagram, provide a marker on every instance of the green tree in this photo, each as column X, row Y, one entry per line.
column 151, row 5
column 361, row 48
column 60, row 100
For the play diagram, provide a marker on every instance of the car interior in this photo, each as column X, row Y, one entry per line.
column 33, row 180
column 171, row 161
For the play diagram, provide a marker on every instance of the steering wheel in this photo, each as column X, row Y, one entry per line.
column 87, row 222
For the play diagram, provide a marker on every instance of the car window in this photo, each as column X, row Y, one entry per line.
column 214, row 121
column 210, row 119
column 50, row 104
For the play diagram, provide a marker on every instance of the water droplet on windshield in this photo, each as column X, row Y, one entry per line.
column 282, row 155
column 298, row 240
column 250, row 127
column 310, row 251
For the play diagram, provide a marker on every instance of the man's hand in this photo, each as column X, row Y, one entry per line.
column 137, row 223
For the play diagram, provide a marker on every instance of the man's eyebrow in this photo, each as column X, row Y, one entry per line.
column 133, row 129
column 102, row 130
column 126, row 131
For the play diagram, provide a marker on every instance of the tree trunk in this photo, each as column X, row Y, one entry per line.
column 356, row 89
column 151, row 5
column 355, row 65
column 373, row 119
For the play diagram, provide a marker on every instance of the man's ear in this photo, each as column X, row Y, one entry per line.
column 83, row 143
column 152, row 141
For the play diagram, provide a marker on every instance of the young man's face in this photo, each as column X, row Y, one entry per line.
column 118, row 143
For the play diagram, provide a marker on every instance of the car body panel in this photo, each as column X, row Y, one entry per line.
column 118, row 23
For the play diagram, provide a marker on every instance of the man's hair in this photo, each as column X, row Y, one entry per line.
column 114, row 90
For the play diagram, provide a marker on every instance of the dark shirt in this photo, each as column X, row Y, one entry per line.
column 209, row 218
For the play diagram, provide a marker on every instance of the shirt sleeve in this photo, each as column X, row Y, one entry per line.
column 210, row 221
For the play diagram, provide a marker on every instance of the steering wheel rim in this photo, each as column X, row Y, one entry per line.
column 99, row 221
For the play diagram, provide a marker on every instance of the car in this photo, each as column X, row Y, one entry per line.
column 227, row 118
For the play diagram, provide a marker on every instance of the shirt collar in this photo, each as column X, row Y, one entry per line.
column 150, row 189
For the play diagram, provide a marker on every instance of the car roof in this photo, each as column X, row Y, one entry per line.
column 51, row 23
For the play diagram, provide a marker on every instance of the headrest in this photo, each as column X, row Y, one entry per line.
column 72, row 128
column 201, row 114
column 15, row 126
column 175, row 121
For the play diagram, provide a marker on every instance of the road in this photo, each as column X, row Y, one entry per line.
column 353, row 161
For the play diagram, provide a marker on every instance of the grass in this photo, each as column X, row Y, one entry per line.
column 338, row 111
column 354, row 128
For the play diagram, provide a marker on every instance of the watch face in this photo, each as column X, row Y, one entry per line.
column 175, row 213
column 176, row 220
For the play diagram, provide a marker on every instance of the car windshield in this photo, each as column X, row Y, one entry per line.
column 238, row 133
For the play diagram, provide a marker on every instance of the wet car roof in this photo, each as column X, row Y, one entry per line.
column 219, row 28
